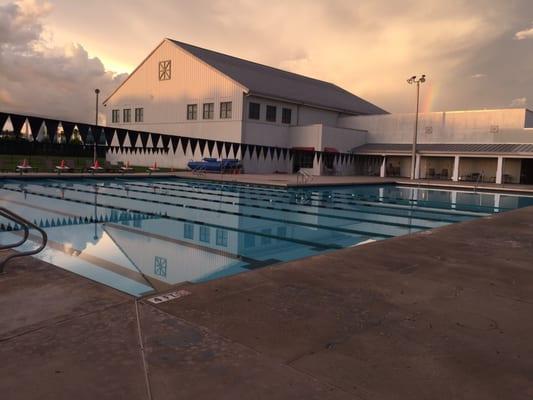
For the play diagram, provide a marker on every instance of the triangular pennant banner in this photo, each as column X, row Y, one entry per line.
column 236, row 148
column 165, row 139
column 202, row 146
column 278, row 152
column 121, row 136
column 227, row 148
column 35, row 125
column 18, row 122
column 68, row 127
column 133, row 137
column 210, row 146
column 194, row 143
column 184, row 143
column 144, row 138
column 220, row 146
column 175, row 141
column 155, row 139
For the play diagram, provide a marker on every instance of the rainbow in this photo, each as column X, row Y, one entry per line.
column 428, row 93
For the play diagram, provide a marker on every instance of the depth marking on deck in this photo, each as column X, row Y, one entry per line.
column 162, row 298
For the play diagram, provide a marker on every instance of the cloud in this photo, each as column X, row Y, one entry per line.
column 524, row 34
column 478, row 76
column 37, row 78
column 519, row 102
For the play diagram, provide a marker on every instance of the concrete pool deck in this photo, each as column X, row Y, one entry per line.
column 441, row 314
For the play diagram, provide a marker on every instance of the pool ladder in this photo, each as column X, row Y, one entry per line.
column 303, row 177
column 26, row 226
column 200, row 171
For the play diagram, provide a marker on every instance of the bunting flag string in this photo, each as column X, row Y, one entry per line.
column 121, row 141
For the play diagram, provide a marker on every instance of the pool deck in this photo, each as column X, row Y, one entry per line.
column 441, row 314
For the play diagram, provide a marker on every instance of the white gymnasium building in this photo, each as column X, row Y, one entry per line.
column 189, row 91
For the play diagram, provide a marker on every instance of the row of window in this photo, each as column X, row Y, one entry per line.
column 208, row 111
column 205, row 233
column 221, row 235
column 254, row 112
column 126, row 115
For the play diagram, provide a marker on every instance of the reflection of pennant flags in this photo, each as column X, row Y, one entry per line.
column 18, row 122
column 271, row 151
column 165, row 139
column 318, row 155
column 35, row 125
column 155, row 139
column 291, row 153
column 210, row 146
column 244, row 148
column 184, row 143
column 337, row 156
column 121, row 133
column 202, row 146
column 194, row 143
column 144, row 139
column 227, row 148
column 265, row 152
column 284, row 150
column 175, row 141
column 236, row 148
column 133, row 138
column 257, row 151
column 219, row 145
column 278, row 152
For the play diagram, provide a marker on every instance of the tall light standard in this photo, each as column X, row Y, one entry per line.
column 97, row 91
column 418, row 80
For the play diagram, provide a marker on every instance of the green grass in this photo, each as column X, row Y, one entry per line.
column 9, row 162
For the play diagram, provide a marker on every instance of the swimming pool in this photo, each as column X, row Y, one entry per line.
column 144, row 235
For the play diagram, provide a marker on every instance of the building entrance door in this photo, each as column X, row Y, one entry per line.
column 526, row 172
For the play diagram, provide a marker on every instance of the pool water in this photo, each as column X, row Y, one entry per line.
column 141, row 236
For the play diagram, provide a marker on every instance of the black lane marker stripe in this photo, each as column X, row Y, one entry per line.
column 367, row 203
column 307, row 224
column 227, row 202
column 324, row 246
column 370, row 212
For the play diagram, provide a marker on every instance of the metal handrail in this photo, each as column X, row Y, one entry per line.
column 8, row 215
column 26, row 226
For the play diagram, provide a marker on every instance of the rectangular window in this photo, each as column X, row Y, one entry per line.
column 139, row 114
column 249, row 240
column 264, row 239
column 115, row 116
column 271, row 114
column 164, row 70
column 254, row 110
column 286, row 116
column 188, row 231
column 225, row 109
column 209, row 110
column 192, row 111
column 222, row 237
column 126, row 115
column 204, row 234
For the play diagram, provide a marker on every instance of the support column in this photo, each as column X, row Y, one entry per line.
column 499, row 170
column 382, row 169
column 455, row 176
column 417, row 166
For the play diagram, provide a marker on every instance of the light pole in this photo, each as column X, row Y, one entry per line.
column 418, row 80
column 97, row 92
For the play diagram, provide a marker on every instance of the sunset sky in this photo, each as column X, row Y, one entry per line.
column 476, row 53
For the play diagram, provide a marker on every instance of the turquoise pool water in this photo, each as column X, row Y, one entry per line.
column 140, row 236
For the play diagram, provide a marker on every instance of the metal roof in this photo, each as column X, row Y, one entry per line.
column 272, row 82
column 451, row 148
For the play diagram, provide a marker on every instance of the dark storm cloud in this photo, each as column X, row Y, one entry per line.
column 38, row 79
